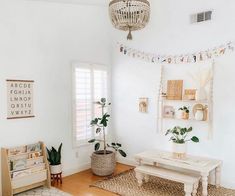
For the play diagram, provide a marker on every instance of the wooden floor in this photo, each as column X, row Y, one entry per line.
column 78, row 184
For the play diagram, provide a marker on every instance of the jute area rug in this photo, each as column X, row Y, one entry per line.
column 125, row 184
column 43, row 191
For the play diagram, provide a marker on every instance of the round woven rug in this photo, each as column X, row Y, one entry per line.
column 43, row 191
column 125, row 184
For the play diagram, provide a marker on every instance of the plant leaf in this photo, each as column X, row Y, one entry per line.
column 97, row 146
column 189, row 129
column 59, row 149
column 94, row 122
column 98, row 130
column 53, row 157
column 92, row 140
column 104, row 120
column 49, row 155
column 103, row 100
column 195, row 139
column 118, row 144
column 98, row 103
column 167, row 132
column 122, row 153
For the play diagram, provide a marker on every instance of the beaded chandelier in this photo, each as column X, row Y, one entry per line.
column 129, row 15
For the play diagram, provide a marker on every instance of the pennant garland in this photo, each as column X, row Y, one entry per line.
column 177, row 59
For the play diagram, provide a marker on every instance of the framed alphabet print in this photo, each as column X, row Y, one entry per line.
column 20, row 99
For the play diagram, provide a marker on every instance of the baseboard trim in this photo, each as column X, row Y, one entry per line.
column 228, row 185
column 86, row 166
column 71, row 171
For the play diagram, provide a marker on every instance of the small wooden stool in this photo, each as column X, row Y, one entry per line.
column 56, row 178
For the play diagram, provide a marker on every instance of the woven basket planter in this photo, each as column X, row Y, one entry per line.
column 103, row 164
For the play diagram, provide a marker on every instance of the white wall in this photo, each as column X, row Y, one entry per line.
column 39, row 41
column 170, row 32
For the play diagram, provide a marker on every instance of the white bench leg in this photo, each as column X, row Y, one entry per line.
column 217, row 176
column 139, row 176
column 188, row 188
column 195, row 186
column 146, row 178
column 204, row 184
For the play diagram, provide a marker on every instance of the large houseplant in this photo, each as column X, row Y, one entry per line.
column 103, row 162
column 54, row 158
column 179, row 138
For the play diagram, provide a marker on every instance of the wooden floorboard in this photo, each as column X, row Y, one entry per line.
column 79, row 184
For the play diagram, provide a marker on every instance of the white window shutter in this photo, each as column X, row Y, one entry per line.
column 89, row 85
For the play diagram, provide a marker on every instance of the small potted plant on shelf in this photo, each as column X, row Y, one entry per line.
column 179, row 138
column 184, row 112
column 103, row 162
column 54, row 158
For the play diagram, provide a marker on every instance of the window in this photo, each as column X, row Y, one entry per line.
column 90, row 85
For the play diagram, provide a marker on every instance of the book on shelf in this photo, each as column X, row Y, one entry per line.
column 19, row 164
column 21, row 173
column 22, row 164
column 16, row 151
column 33, row 147
column 31, row 150
column 27, row 171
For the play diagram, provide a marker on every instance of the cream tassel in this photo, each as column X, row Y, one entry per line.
column 129, row 36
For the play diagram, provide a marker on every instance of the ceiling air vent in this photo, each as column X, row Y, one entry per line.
column 200, row 17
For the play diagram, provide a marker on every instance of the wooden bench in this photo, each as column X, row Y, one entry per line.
column 190, row 181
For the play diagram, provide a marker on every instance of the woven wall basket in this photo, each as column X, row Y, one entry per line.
column 103, row 164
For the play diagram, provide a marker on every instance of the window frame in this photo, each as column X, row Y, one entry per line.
column 91, row 66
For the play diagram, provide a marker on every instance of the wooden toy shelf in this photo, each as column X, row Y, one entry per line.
column 164, row 101
column 24, row 169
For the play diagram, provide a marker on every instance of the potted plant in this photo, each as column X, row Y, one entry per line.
column 54, row 158
column 179, row 138
column 103, row 162
column 184, row 112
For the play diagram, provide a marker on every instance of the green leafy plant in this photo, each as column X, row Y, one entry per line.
column 180, row 135
column 184, row 109
column 117, row 148
column 100, row 124
column 54, row 156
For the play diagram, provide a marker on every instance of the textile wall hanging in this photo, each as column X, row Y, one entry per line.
column 20, row 99
column 195, row 57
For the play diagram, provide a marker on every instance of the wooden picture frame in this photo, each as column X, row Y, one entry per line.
column 168, row 112
column 189, row 94
column 174, row 89
column 20, row 99
column 143, row 105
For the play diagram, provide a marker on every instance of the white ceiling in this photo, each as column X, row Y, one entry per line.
column 86, row 2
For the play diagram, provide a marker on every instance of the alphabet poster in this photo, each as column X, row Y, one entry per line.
column 20, row 99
